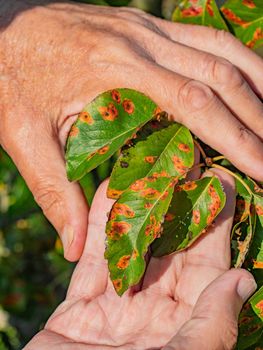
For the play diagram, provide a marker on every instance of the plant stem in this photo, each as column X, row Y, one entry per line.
column 197, row 166
column 234, row 175
column 218, row 158
column 200, row 149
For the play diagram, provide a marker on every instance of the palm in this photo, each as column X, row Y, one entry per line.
column 146, row 317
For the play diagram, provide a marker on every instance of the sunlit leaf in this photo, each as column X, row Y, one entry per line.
column 245, row 17
column 202, row 12
column 105, row 124
column 134, row 222
column 193, row 208
column 169, row 150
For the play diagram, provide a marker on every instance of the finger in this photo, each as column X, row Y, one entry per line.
column 218, row 73
column 203, row 251
column 219, row 43
column 91, row 274
column 39, row 159
column 197, row 107
column 214, row 319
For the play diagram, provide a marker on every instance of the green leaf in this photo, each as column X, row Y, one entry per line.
column 245, row 18
column 194, row 207
column 202, row 12
column 170, row 150
column 250, row 323
column 105, row 124
column 134, row 222
column 88, row 185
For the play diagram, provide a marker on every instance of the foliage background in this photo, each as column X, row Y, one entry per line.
column 33, row 273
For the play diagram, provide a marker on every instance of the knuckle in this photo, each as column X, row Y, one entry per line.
column 224, row 38
column 47, row 196
column 223, row 72
column 194, row 95
column 244, row 135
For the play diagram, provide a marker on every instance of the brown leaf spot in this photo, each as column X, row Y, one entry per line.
column 121, row 209
column 118, row 229
column 114, row 194
column 103, row 150
column 230, row 15
column 109, row 113
column 138, row 185
column 85, row 117
column 150, row 159
column 117, row 284
column 192, row 12
column 259, row 210
column 259, row 306
column 124, row 261
column 148, row 205
column 74, row 131
column 249, row 3
column 189, row 186
column 164, row 196
column 135, row 254
column 128, row 106
column 116, row 96
column 179, row 165
column 209, row 8
column 150, row 193
column 196, row 216
column 183, row 147
column 169, row 217
column 257, row 264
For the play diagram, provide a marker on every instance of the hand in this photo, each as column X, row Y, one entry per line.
column 56, row 58
column 190, row 295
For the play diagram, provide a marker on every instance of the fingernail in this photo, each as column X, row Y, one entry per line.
column 246, row 287
column 67, row 238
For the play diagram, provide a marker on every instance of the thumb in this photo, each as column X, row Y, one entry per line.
column 213, row 325
column 40, row 160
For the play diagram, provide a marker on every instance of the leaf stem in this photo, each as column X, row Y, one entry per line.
column 218, row 158
column 200, row 149
column 234, row 175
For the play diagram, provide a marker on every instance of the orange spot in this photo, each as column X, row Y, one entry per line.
column 128, row 106
column 124, row 261
column 109, row 113
column 164, row 196
column 249, row 3
column 85, row 117
column 258, row 35
column 74, row 131
column 192, row 12
column 154, row 228
column 135, row 254
column 103, row 150
column 257, row 264
column 189, row 186
column 169, row 217
column 209, row 8
column 150, row 193
column 116, row 96
column 148, row 205
column 196, row 217
column 118, row 229
column 121, row 209
column 179, row 165
column 138, row 185
column 117, row 284
column 230, row 15
column 150, row 159
column 114, row 194
column 259, row 306
column 183, row 147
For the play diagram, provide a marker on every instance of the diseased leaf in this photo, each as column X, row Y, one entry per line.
column 202, row 12
column 170, row 151
column 105, row 124
column 250, row 333
column 134, row 222
column 245, row 18
column 194, row 207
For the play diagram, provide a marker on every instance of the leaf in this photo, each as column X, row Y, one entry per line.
column 202, row 12
column 194, row 207
column 105, row 124
column 170, row 150
column 88, row 185
column 245, row 18
column 134, row 222
column 250, row 323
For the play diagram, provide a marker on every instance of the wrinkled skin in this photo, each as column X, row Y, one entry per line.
column 166, row 311
column 57, row 57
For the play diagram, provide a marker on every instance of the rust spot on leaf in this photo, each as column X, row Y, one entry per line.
column 196, row 216
column 150, row 193
column 85, row 117
column 116, row 96
column 258, row 35
column 135, row 254
column 121, row 209
column 259, row 306
column 192, row 11
column 74, row 131
column 257, row 264
column 189, row 186
column 231, row 16
column 138, row 185
column 169, row 217
column 209, row 8
column 114, row 194
column 109, row 113
column 103, row 150
column 124, row 261
column 249, row 3
column 150, row 159
column 183, row 147
column 118, row 229
column 259, row 210
column 117, row 284
column 128, row 106
column 179, row 165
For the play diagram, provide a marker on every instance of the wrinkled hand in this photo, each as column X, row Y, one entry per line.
column 186, row 301
column 56, row 58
